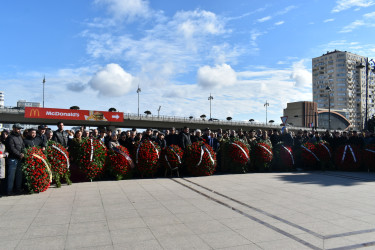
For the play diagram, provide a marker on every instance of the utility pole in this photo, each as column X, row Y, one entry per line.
column 138, row 91
column 44, row 81
column 159, row 110
column 266, row 105
column 210, row 98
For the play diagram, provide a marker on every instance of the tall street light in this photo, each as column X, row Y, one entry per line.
column 159, row 111
column 266, row 105
column 210, row 98
column 329, row 107
column 370, row 66
column 44, row 81
column 138, row 91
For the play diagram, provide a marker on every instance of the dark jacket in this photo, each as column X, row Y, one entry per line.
column 60, row 137
column 43, row 138
column 172, row 139
column 33, row 142
column 184, row 140
column 15, row 145
column 161, row 143
column 287, row 139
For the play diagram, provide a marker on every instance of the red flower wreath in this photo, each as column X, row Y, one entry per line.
column 308, row 155
column 347, row 158
column 58, row 158
column 239, row 152
column 263, row 152
column 146, row 155
column 200, row 159
column 92, row 157
column 120, row 162
column 323, row 151
column 286, row 156
column 36, row 170
column 369, row 156
column 171, row 157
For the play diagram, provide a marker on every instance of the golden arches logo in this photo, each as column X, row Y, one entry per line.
column 34, row 112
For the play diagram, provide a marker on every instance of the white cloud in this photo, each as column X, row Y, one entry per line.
column 126, row 9
column 347, row 4
column 216, row 77
column 168, row 48
column 367, row 21
column 300, row 75
column 279, row 23
column 329, row 20
column 263, row 19
column 112, row 80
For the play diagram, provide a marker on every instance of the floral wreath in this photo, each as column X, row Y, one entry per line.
column 171, row 157
column 146, row 154
column 263, row 155
column 284, row 156
column 347, row 157
column 58, row 157
column 120, row 162
column 92, row 157
column 37, row 170
column 308, row 155
column 200, row 159
column 323, row 151
column 369, row 156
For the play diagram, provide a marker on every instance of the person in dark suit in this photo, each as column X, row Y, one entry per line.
column 172, row 138
column 185, row 140
column 60, row 135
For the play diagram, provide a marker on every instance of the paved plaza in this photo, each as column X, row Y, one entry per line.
column 301, row 210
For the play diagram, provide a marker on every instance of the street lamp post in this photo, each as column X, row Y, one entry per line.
column 159, row 110
column 370, row 66
column 329, row 107
column 138, row 91
column 210, row 98
column 266, row 105
column 44, row 81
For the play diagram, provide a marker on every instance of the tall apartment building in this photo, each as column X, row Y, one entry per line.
column 338, row 70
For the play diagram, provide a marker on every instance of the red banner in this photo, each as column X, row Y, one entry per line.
column 72, row 114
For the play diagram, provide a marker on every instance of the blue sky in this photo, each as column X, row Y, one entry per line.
column 95, row 53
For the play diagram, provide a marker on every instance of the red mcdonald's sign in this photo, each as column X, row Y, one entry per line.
column 72, row 114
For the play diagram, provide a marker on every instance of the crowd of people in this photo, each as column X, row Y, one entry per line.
column 13, row 143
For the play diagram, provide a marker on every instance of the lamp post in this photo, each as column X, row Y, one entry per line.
column 329, row 107
column 266, row 105
column 210, row 98
column 138, row 91
column 370, row 66
column 44, row 81
column 159, row 110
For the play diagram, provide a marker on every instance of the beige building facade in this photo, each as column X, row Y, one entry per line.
column 339, row 71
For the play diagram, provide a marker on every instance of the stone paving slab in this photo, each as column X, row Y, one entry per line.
column 300, row 210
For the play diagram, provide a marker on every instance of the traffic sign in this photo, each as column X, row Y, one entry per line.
column 284, row 119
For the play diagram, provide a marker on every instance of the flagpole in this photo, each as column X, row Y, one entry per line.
column 44, row 81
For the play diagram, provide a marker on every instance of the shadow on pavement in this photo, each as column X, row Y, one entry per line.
column 328, row 178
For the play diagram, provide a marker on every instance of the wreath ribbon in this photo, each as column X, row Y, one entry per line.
column 243, row 151
column 66, row 157
column 46, row 164
column 351, row 150
column 329, row 152
column 311, row 152
column 265, row 149
column 119, row 151
column 157, row 151
column 178, row 157
column 136, row 155
column 209, row 154
column 290, row 153
column 372, row 151
column 92, row 150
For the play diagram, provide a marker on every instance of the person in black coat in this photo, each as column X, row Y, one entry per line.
column 161, row 141
column 15, row 147
column 172, row 138
column 185, row 140
column 32, row 140
column 60, row 135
